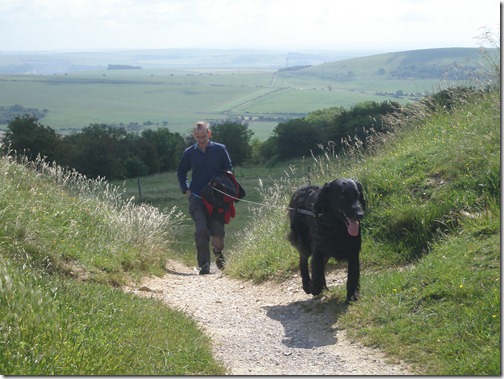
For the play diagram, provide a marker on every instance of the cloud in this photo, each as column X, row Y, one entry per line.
column 277, row 24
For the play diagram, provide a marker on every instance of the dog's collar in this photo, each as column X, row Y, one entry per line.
column 307, row 212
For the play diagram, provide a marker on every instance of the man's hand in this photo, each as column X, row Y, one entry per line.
column 187, row 194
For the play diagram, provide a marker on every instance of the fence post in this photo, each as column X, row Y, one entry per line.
column 140, row 188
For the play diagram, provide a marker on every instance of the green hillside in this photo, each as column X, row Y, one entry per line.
column 423, row 64
column 415, row 72
column 431, row 238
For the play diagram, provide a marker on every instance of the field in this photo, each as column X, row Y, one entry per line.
column 176, row 97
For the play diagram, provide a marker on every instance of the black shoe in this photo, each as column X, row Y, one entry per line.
column 205, row 269
column 219, row 260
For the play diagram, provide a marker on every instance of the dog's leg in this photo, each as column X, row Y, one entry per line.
column 305, row 274
column 353, row 278
column 318, row 273
column 324, row 285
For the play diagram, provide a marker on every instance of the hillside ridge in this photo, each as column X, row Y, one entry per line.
column 65, row 62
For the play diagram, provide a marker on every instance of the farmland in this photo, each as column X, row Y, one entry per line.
column 175, row 95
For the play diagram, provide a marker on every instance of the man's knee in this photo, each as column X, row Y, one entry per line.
column 218, row 243
column 201, row 235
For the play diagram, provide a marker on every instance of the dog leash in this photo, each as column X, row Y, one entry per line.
column 298, row 210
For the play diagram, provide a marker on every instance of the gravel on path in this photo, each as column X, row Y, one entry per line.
column 268, row 329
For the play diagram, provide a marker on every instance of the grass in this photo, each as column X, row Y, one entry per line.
column 52, row 326
column 66, row 243
column 431, row 239
column 443, row 314
column 435, row 216
column 53, row 224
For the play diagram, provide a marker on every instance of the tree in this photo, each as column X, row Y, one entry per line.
column 295, row 138
column 236, row 137
column 135, row 167
column 26, row 135
column 142, row 158
column 357, row 121
column 100, row 150
column 169, row 147
column 268, row 148
column 323, row 117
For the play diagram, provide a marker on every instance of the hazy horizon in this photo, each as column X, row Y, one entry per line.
column 268, row 25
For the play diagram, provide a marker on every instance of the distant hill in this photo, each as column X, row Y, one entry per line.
column 443, row 63
column 48, row 63
column 339, row 65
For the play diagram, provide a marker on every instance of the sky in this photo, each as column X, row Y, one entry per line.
column 387, row 25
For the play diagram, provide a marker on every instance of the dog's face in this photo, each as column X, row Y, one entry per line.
column 344, row 197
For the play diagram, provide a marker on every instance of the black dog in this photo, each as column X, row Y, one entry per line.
column 324, row 223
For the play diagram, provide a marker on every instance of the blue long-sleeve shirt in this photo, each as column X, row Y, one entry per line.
column 204, row 165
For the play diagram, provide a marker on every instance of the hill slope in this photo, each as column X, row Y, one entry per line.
column 431, row 248
column 449, row 63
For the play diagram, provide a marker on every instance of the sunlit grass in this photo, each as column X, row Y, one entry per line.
column 65, row 242
column 52, row 326
column 81, row 220
column 443, row 313
column 431, row 239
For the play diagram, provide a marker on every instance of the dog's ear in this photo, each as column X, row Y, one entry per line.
column 322, row 199
column 361, row 195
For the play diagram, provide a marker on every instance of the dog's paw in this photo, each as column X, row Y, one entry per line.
column 352, row 299
column 316, row 291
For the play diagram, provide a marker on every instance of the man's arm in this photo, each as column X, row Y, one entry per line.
column 182, row 170
column 226, row 160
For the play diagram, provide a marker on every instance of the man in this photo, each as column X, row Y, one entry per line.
column 205, row 158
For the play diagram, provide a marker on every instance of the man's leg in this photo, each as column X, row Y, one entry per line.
column 201, row 234
column 217, row 233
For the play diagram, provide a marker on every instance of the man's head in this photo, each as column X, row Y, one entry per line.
column 202, row 134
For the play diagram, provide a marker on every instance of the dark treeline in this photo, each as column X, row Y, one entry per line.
column 299, row 137
column 8, row 113
column 101, row 150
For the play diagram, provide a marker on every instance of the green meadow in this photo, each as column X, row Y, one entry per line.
column 261, row 96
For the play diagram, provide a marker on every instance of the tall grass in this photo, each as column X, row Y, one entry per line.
column 80, row 225
column 431, row 236
column 56, row 227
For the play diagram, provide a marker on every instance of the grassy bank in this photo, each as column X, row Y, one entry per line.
column 431, row 238
column 65, row 244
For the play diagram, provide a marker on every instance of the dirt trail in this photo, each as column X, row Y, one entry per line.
column 268, row 329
